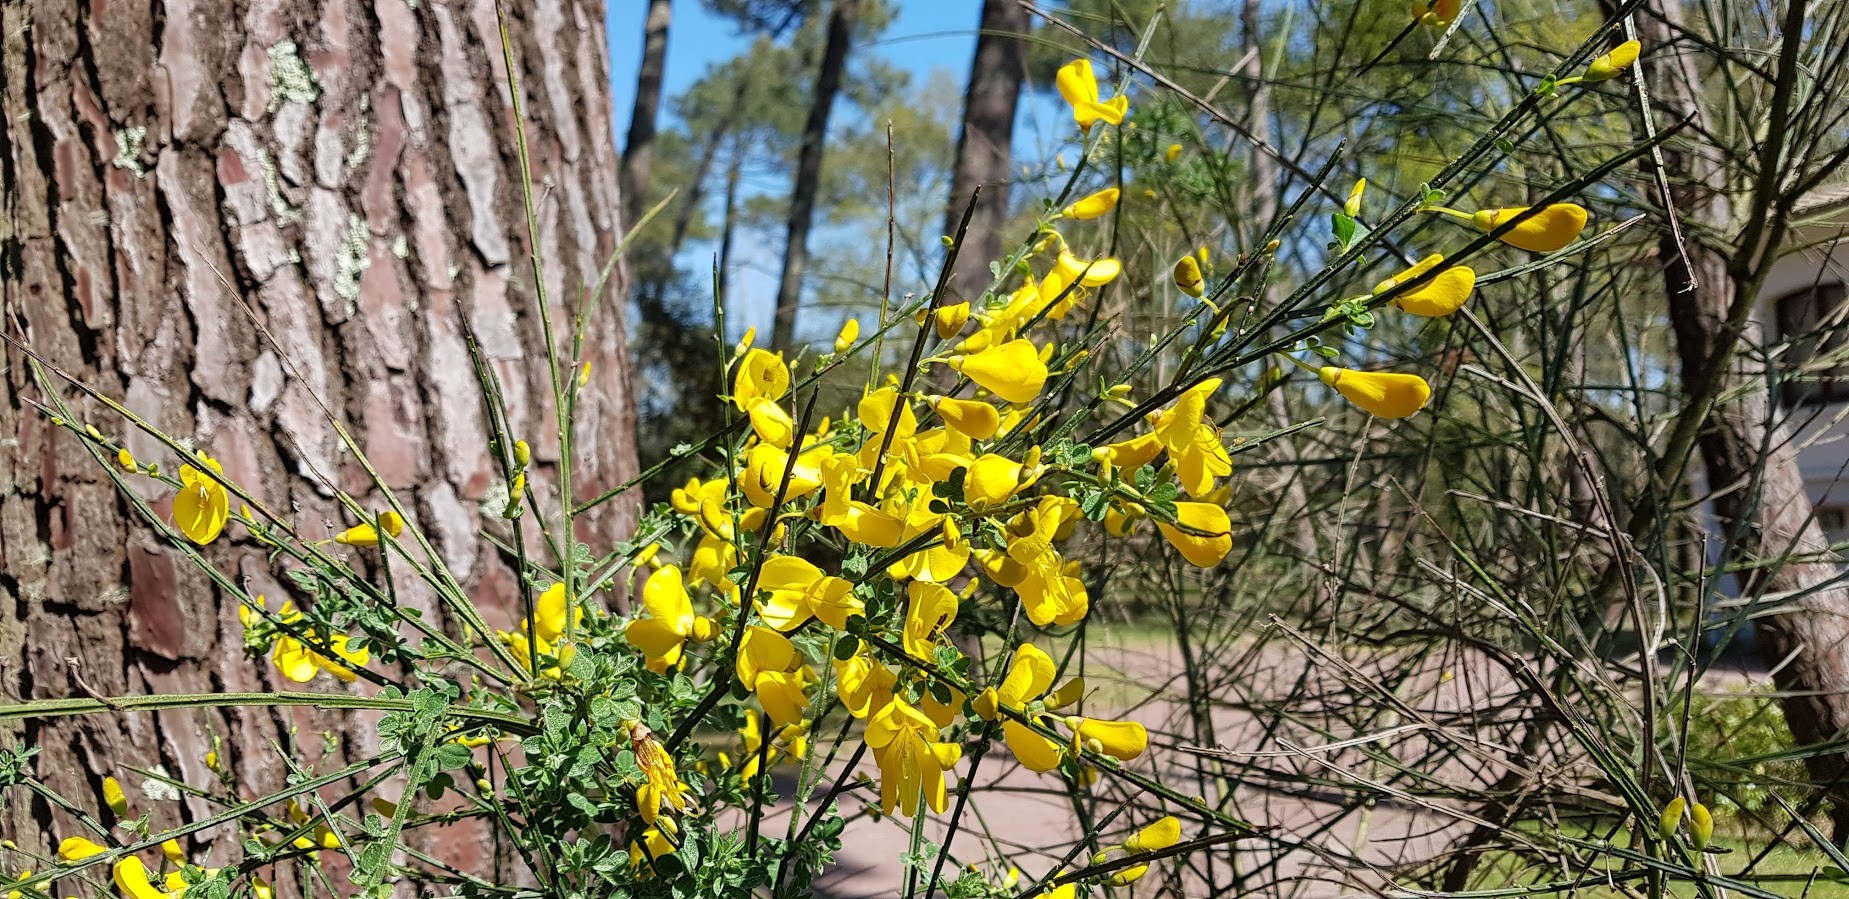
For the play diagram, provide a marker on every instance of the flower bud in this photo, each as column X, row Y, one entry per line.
column 1127, row 876
column 1671, row 818
column 1608, row 66
column 1352, row 208
column 1700, row 826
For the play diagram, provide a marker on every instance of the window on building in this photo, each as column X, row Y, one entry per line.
column 1815, row 325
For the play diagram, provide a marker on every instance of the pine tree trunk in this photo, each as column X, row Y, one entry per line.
column 350, row 168
column 1748, row 454
column 808, row 180
column 985, row 148
column 639, row 149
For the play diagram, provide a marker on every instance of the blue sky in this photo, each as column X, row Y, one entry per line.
column 925, row 35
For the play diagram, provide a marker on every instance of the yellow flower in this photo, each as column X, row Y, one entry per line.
column 1127, row 876
column 1444, row 294
column 765, row 466
column 1386, row 394
column 850, row 332
column 1012, row 371
column 368, row 535
column 875, row 412
column 1193, row 440
column 1700, row 826
column 1100, row 203
column 671, row 622
column 1203, row 533
column 1352, row 206
column 549, row 613
column 1079, row 87
column 131, row 877
column 1173, row 153
column 1121, row 740
column 769, row 665
column 1135, row 452
column 1544, row 232
column 126, row 459
column 772, row 425
column 1165, row 832
column 686, row 499
column 1086, row 272
column 1188, row 276
column 864, row 684
column 782, row 694
column 300, row 663
column 712, row 558
column 1049, row 594
column 761, row 375
column 951, row 319
column 663, row 785
column 993, row 480
column 76, row 849
column 1030, row 676
column 1671, row 818
column 930, row 609
column 798, row 590
column 1609, row 65
column 653, row 845
column 974, row 419
column 202, row 505
column 114, row 797
column 912, row 761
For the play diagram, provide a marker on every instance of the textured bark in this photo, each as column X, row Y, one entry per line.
column 639, row 149
column 1746, row 446
column 350, row 168
column 985, row 147
column 841, row 22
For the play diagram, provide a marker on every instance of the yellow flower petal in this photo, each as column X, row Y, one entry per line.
column 114, row 797
column 1444, row 294
column 1609, row 65
column 1208, row 535
column 930, row 609
column 76, row 849
column 1165, row 832
column 850, row 332
column 974, row 419
column 1386, row 394
column 1188, row 276
column 132, row 878
column 1546, row 231
column 761, row 375
column 1121, row 740
column 1091, row 207
column 201, row 507
column 772, row 425
column 1012, row 371
column 1036, row 752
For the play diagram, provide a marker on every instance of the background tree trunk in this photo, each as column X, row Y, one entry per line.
column 639, row 149
column 350, row 168
column 1747, row 451
column 841, row 22
column 985, row 147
